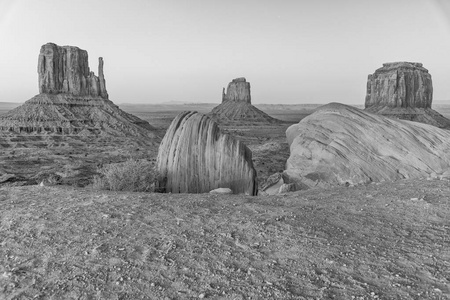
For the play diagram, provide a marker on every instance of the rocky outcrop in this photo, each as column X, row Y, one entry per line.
column 238, row 90
column 72, row 100
column 403, row 90
column 339, row 144
column 236, row 106
column 65, row 69
column 195, row 157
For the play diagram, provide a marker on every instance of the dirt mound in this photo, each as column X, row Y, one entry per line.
column 339, row 144
column 68, row 114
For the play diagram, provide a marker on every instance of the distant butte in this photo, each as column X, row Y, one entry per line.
column 236, row 106
column 403, row 90
column 71, row 100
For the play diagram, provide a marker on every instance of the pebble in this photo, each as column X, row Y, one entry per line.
column 201, row 296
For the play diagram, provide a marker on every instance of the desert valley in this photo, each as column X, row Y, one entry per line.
column 307, row 201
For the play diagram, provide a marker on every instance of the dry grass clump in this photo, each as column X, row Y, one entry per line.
column 132, row 175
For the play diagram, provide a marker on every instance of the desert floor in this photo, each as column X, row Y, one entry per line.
column 68, row 241
column 379, row 241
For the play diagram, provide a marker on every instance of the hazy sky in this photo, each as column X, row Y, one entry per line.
column 299, row 51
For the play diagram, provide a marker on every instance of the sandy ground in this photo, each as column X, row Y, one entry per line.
column 377, row 241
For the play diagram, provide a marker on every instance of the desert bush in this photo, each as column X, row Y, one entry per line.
column 131, row 175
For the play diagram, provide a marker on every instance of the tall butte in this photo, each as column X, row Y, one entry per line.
column 72, row 100
column 236, row 106
column 403, row 90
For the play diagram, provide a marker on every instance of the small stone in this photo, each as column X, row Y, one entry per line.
column 222, row 191
column 201, row 296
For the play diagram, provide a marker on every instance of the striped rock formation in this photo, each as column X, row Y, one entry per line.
column 237, row 107
column 72, row 100
column 195, row 157
column 403, row 90
column 340, row 144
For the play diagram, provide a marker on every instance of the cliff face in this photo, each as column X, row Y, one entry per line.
column 400, row 84
column 65, row 69
column 238, row 90
column 195, row 157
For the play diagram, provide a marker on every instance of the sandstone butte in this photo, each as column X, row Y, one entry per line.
column 340, row 144
column 71, row 100
column 196, row 157
column 236, row 106
column 403, row 90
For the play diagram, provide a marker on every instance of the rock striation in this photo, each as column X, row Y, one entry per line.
column 236, row 106
column 70, row 115
column 340, row 144
column 65, row 69
column 72, row 100
column 403, row 90
column 196, row 157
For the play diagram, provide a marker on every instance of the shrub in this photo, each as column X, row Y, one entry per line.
column 131, row 175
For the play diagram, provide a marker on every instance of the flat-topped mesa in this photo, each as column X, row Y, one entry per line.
column 238, row 90
column 73, row 101
column 65, row 69
column 400, row 85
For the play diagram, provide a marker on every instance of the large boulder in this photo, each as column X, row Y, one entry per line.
column 340, row 144
column 65, row 69
column 196, row 157
column 237, row 108
column 403, row 90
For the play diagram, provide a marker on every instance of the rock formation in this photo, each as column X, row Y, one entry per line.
column 236, row 106
column 66, row 70
column 339, row 144
column 403, row 90
column 72, row 100
column 195, row 157
column 66, row 114
column 238, row 90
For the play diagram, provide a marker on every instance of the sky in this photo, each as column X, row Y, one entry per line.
column 291, row 51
